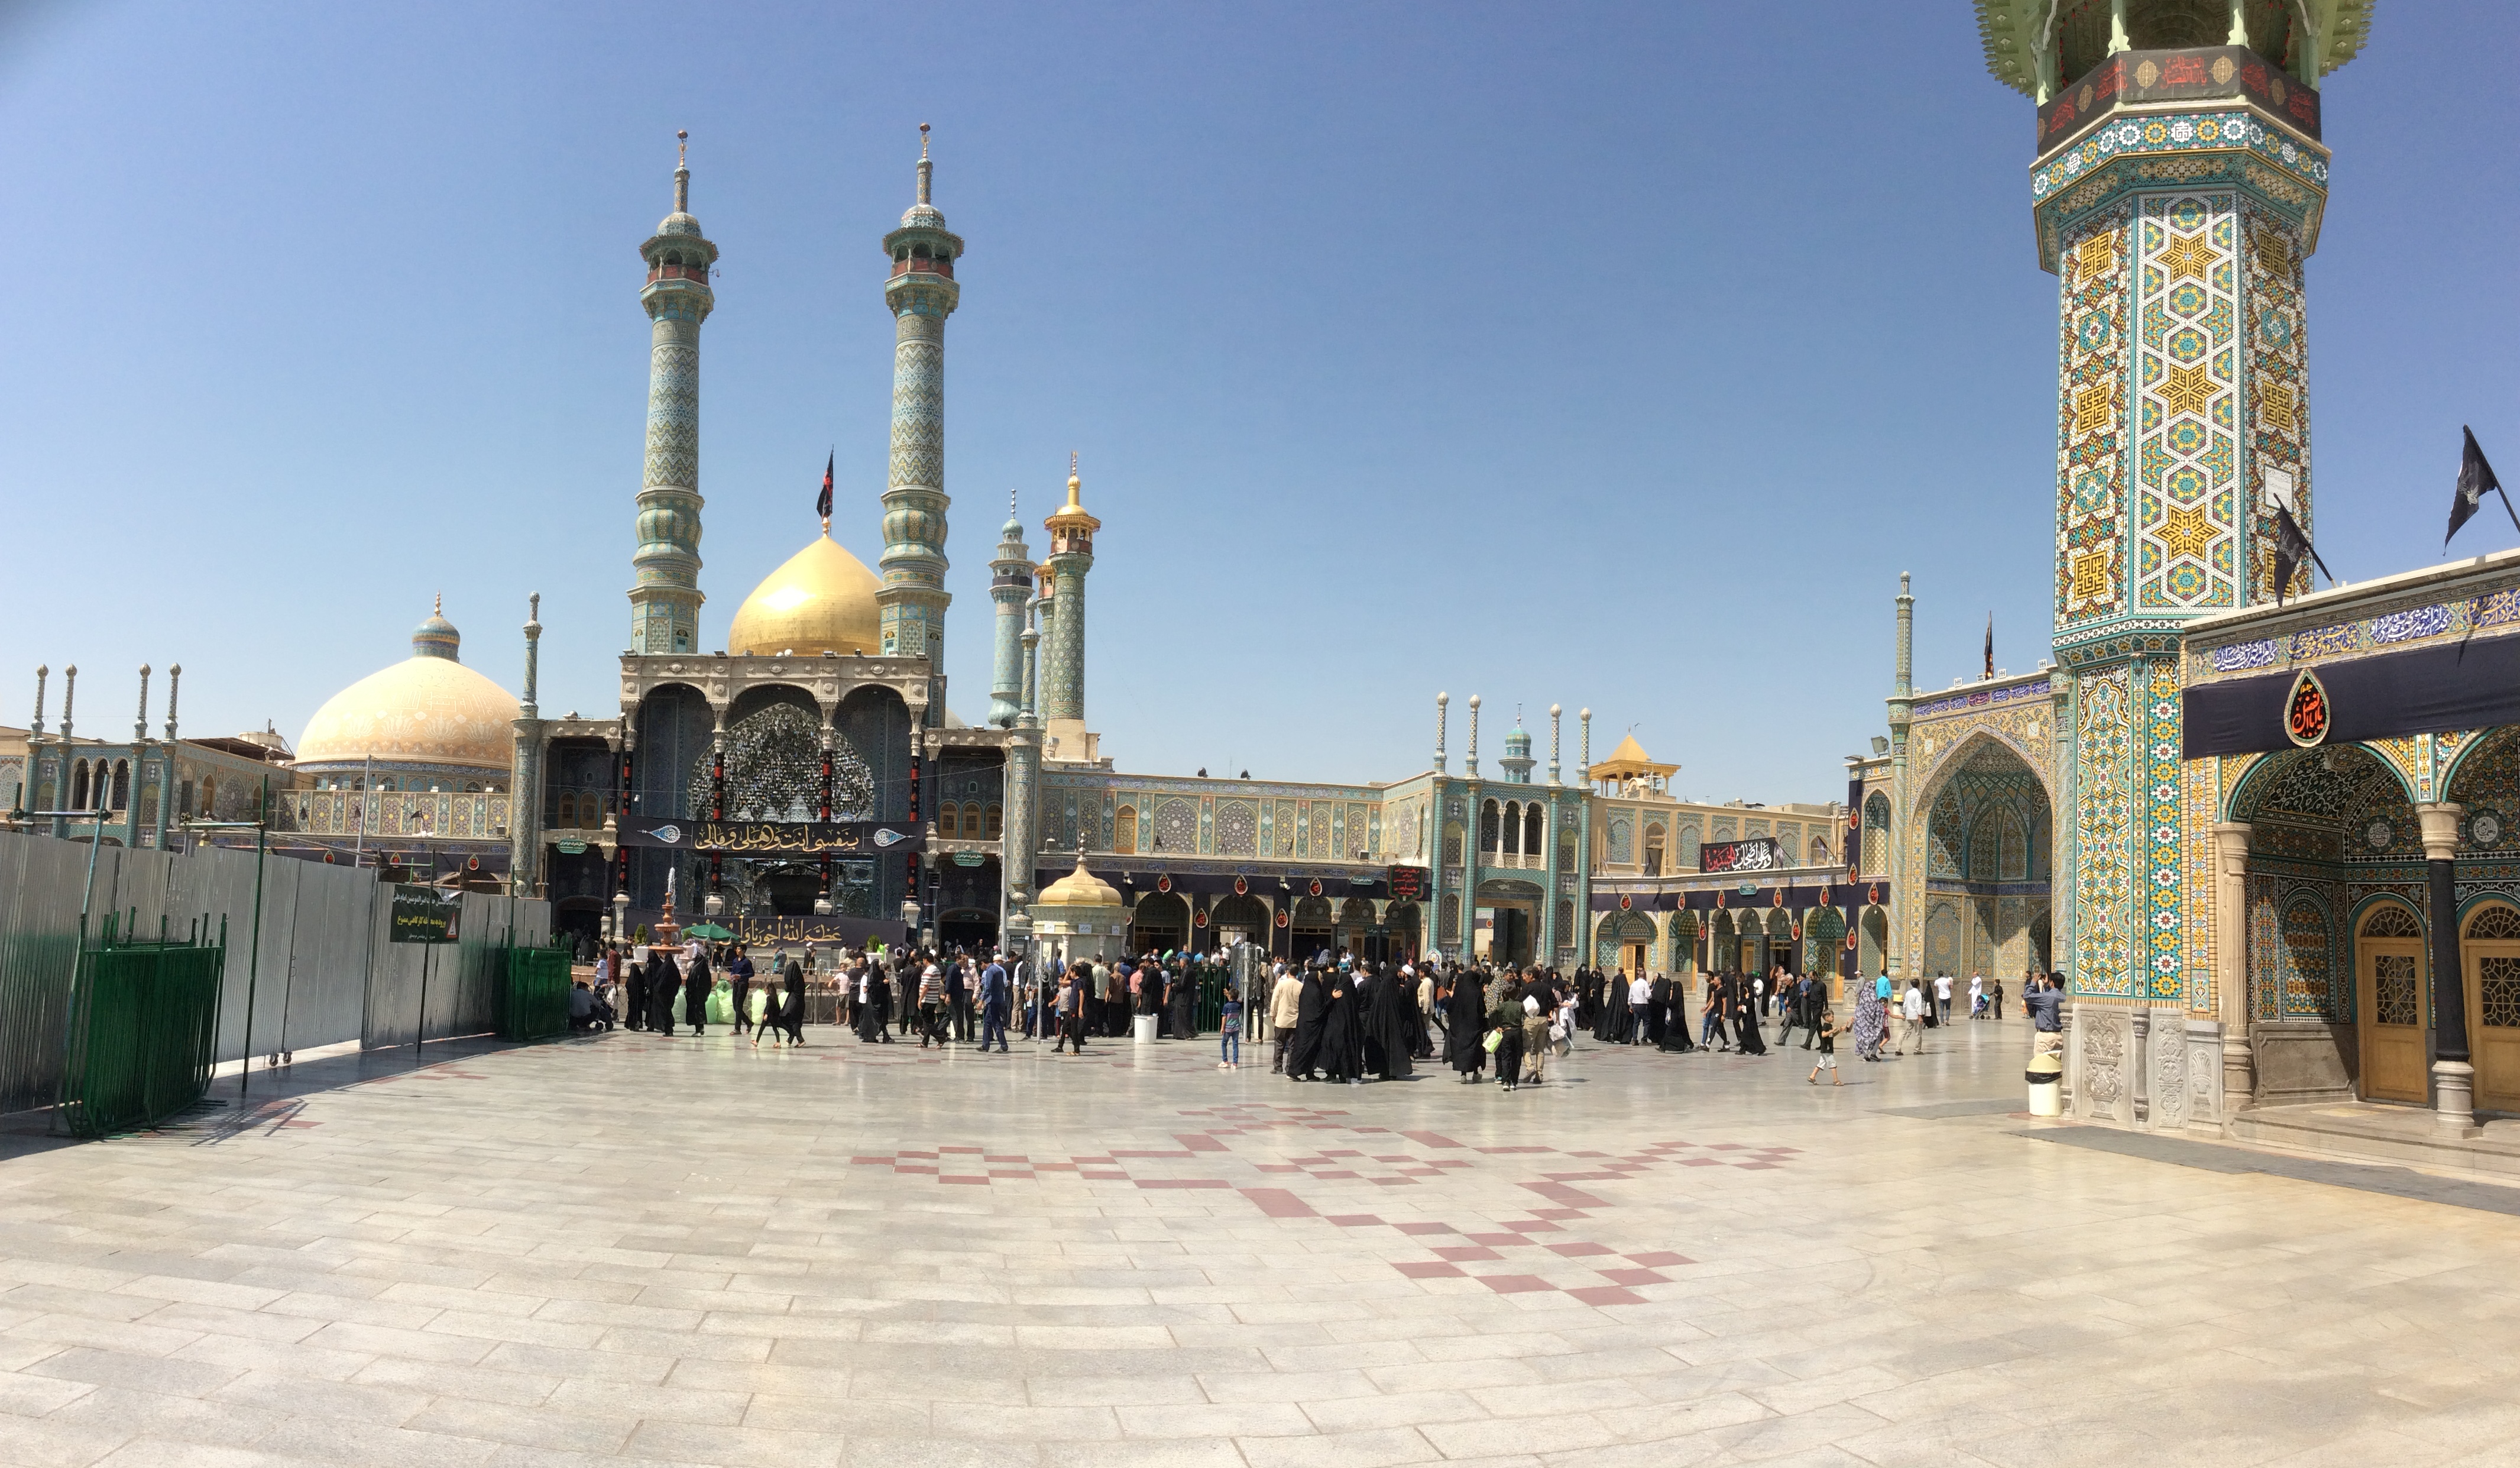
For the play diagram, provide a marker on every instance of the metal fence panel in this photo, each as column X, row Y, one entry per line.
column 41, row 881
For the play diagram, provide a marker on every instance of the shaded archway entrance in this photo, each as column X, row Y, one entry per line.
column 1239, row 919
column 1508, row 922
column 1981, row 838
column 1160, row 924
column 2338, row 983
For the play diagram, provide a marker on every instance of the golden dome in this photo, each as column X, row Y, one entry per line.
column 1079, row 888
column 428, row 709
column 822, row 601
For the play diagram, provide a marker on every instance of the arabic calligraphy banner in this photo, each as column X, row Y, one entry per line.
column 769, row 837
column 1760, row 854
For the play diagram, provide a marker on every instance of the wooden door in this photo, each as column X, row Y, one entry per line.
column 1636, row 958
column 2491, row 954
column 2389, row 992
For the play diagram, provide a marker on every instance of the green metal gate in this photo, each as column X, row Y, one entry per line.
column 531, row 999
column 143, row 1023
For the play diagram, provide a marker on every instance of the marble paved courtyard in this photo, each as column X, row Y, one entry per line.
column 639, row 1250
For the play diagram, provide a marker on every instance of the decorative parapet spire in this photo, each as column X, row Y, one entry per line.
column 140, row 723
column 174, row 679
column 69, row 692
column 1585, row 717
column 1470, row 762
column 42, row 670
column 665, row 583
column 922, row 291
column 1441, row 700
column 1904, row 674
column 533, row 651
column 1553, row 726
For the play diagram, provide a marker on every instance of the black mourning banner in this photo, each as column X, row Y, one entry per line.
column 769, row 837
column 2432, row 690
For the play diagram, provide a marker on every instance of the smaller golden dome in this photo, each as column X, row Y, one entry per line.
column 822, row 601
column 1079, row 888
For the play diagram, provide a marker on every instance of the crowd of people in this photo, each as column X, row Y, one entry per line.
column 1326, row 1018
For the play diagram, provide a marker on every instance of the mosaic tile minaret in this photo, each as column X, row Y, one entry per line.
column 2177, row 186
column 665, row 585
column 922, row 293
column 1009, row 588
column 1071, row 556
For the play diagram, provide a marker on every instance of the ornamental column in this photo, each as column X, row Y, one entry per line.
column 665, row 583
column 1071, row 556
column 2232, row 965
column 2175, row 190
column 922, row 293
column 2453, row 1077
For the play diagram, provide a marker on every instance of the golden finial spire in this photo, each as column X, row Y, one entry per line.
column 437, row 607
column 682, row 148
column 1073, row 487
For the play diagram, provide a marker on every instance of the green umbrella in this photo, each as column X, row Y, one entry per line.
column 710, row 931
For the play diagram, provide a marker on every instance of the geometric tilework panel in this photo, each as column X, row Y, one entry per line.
column 2103, row 875
column 2278, row 382
column 2090, row 419
column 2188, row 375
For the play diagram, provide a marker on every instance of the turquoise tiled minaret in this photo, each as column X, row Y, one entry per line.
column 1009, row 587
column 922, row 293
column 665, row 585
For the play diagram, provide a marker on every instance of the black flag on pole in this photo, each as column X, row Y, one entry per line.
column 822, row 506
column 2475, row 477
column 2292, row 547
column 1990, row 644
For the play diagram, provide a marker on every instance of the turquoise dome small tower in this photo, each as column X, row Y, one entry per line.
column 1517, row 761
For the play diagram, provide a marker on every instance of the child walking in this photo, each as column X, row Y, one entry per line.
column 1228, row 1043
column 1827, row 1050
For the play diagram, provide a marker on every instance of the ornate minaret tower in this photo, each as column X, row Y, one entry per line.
column 665, row 585
column 2177, row 186
column 922, row 294
column 1009, row 587
column 1071, row 556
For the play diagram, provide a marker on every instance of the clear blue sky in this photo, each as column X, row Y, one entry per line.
column 1618, row 356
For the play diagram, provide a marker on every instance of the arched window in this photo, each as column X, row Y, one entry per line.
column 123, row 785
column 1534, row 830
column 567, row 814
column 1487, row 826
column 211, row 799
column 949, row 819
column 1653, row 850
column 78, row 787
column 1452, row 843
column 1124, row 832
column 997, row 822
column 1511, row 829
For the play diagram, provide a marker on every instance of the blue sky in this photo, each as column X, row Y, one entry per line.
column 1616, row 357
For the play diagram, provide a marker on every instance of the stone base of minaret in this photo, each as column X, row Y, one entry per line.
column 1066, row 741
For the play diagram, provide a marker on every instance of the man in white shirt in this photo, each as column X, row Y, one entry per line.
column 1943, row 997
column 1912, row 1011
column 1640, row 1007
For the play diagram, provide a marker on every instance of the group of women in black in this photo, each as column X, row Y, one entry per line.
column 653, row 985
column 1353, row 1021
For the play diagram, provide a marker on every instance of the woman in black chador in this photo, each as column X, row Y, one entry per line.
column 664, row 986
column 1342, row 1030
column 634, row 993
column 1465, row 1014
column 1310, row 1006
column 695, row 988
column 792, row 981
column 1388, row 1011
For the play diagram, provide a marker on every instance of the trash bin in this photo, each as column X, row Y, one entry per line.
column 1142, row 1028
column 2046, row 1076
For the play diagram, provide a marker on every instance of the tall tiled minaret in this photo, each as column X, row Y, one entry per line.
column 1063, row 678
column 922, row 294
column 1009, row 587
column 665, row 586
